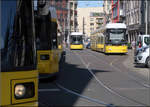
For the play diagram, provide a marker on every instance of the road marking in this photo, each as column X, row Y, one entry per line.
column 130, row 88
column 113, row 61
column 106, row 87
column 85, row 97
column 48, row 90
column 137, row 80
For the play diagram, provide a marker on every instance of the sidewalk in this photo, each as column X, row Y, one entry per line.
column 129, row 63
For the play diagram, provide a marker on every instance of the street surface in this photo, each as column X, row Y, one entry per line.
column 89, row 78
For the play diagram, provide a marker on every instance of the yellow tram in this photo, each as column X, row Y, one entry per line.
column 76, row 40
column 111, row 38
column 46, row 40
column 18, row 76
column 60, row 42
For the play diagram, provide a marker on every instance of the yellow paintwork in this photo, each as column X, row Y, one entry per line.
column 7, row 82
column 98, row 44
column 53, row 19
column 76, row 46
column 59, row 46
column 100, row 47
column 116, row 49
column 60, row 50
column 48, row 66
column 30, row 104
column 93, row 42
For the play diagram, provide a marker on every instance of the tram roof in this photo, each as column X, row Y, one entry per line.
column 110, row 26
column 115, row 25
column 76, row 33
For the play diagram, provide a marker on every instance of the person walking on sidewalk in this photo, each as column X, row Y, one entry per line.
column 133, row 44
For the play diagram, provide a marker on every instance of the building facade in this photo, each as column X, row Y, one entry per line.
column 96, row 20
column 107, row 11
column 148, row 17
column 62, row 12
column 72, row 16
column 118, row 14
column 89, row 19
column 143, row 17
column 135, row 18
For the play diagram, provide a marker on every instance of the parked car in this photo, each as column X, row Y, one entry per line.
column 142, row 41
column 142, row 56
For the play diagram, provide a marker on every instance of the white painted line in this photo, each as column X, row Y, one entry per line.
column 48, row 90
column 131, row 76
column 85, row 97
column 102, row 84
column 130, row 88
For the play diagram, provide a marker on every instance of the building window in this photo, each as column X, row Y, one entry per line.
column 137, row 16
column 115, row 12
column 91, row 19
column 115, row 1
column 92, row 24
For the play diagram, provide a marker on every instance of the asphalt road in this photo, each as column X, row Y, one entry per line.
column 89, row 78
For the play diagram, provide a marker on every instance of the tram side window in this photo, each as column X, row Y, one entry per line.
column 17, row 51
column 43, row 32
column 105, row 36
column 54, row 35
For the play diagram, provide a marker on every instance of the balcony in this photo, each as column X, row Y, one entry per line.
column 99, row 21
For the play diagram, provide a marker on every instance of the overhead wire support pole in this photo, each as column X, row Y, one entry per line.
column 83, row 26
column 146, row 19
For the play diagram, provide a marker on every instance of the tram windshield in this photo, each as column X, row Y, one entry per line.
column 17, row 38
column 43, row 38
column 116, row 35
column 76, row 40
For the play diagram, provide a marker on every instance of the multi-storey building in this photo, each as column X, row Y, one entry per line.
column 107, row 11
column 117, row 11
column 148, row 17
column 143, row 17
column 96, row 20
column 72, row 16
column 89, row 19
column 135, row 18
column 62, row 12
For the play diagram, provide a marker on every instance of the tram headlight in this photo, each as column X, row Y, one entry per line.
column 20, row 91
column 24, row 90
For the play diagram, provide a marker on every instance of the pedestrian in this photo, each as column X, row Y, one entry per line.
column 133, row 44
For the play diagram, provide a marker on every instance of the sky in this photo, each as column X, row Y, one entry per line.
column 90, row 3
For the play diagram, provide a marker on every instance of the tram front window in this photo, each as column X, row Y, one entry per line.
column 16, row 39
column 76, row 40
column 117, row 36
column 43, row 38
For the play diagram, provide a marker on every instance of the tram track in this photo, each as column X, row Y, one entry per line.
column 84, row 97
column 107, row 87
column 137, row 80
